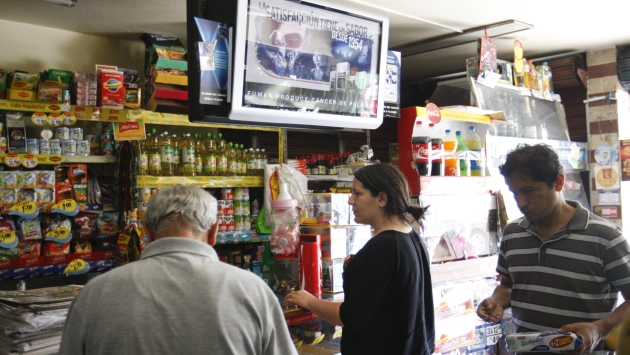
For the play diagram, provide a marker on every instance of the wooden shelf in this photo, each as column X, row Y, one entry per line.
column 464, row 269
column 200, row 181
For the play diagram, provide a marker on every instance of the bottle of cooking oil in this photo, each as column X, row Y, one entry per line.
column 251, row 162
column 155, row 159
column 229, row 154
column 200, row 151
column 187, row 156
column 166, row 155
column 143, row 156
column 265, row 159
column 243, row 160
column 222, row 159
column 259, row 169
column 176, row 161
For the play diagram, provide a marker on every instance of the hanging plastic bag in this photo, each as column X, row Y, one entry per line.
column 486, row 54
column 274, row 174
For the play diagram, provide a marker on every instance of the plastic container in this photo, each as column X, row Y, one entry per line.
column 462, row 155
column 310, row 255
column 421, row 149
column 476, row 152
column 451, row 162
column 285, row 224
column 437, row 151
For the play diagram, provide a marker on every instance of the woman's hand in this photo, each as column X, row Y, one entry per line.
column 299, row 298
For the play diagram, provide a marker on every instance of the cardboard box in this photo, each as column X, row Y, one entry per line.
column 67, row 258
column 78, row 174
column 22, row 262
column 171, row 92
column 332, row 275
column 111, row 91
column 163, row 78
column 454, row 316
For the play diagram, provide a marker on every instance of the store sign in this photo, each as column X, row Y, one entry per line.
column 126, row 131
column 433, row 113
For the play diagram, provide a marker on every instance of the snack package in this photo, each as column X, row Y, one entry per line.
column 56, row 223
column 172, row 53
column 105, row 244
column 8, row 254
column 25, row 195
column 44, row 196
column 84, row 225
column 46, row 179
column 29, row 249
column 52, row 248
column 542, row 342
column 8, row 179
column 30, row 229
column 107, row 224
column 7, row 198
column 80, row 193
column 26, row 179
column 82, row 246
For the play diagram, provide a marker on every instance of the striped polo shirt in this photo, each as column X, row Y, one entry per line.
column 573, row 277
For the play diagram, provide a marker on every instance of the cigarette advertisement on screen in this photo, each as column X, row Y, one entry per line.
column 214, row 61
column 308, row 58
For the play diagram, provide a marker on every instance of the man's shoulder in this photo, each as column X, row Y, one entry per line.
column 601, row 224
column 514, row 226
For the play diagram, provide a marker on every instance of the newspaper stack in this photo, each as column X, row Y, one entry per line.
column 31, row 321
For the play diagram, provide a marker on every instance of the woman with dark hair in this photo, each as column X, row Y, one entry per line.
column 388, row 300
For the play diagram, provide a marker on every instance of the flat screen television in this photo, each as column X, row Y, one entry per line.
column 290, row 63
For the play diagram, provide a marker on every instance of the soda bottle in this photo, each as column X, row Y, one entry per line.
column 437, row 151
column 477, row 154
column 187, row 156
column 155, row 160
column 451, row 162
column 252, row 165
column 166, row 155
column 176, row 160
column 462, row 155
column 421, row 149
column 143, row 156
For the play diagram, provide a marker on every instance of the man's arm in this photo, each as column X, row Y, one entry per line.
column 594, row 332
column 491, row 309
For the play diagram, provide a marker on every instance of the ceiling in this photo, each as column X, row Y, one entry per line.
column 558, row 26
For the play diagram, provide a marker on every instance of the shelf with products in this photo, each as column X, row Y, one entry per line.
column 84, row 113
column 464, row 269
column 148, row 181
column 44, row 159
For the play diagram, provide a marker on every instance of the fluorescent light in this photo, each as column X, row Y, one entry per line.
column 69, row 3
column 468, row 36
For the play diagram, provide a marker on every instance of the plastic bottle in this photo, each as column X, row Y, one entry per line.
column 530, row 75
column 176, row 152
column 166, row 155
column 244, row 152
column 451, row 162
column 264, row 160
column 187, row 156
column 155, row 159
column 143, row 156
column 519, row 78
column 477, row 153
column 210, row 159
column 437, row 151
column 547, row 86
column 421, row 149
column 284, row 223
column 200, row 151
column 231, row 159
column 462, row 155
column 252, row 163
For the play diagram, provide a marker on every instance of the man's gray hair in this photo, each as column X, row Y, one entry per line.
column 168, row 207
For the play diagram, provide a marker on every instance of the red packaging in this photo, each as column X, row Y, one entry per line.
column 111, row 92
column 63, row 192
column 29, row 248
column 52, row 248
column 310, row 255
column 78, row 174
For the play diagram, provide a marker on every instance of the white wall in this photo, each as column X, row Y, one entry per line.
column 35, row 48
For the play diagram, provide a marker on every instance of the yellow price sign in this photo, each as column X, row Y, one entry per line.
column 7, row 237
column 12, row 160
column 299, row 344
column 69, row 118
column 319, row 338
column 55, row 119
column 75, row 265
column 59, row 233
column 67, row 205
column 26, row 207
column 29, row 161
column 39, row 118
column 337, row 334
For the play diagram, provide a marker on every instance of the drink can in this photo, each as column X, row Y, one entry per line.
column 65, row 94
column 32, row 146
column 226, row 194
column 62, row 133
column 229, row 223
column 76, row 134
column 68, row 147
column 83, row 147
column 108, row 149
column 107, row 137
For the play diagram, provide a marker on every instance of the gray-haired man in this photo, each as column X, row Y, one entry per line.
column 178, row 298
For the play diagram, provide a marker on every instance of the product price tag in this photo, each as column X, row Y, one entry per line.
column 8, row 239
column 55, row 119
column 299, row 343
column 12, row 160
column 26, row 209
column 39, row 118
column 537, row 94
column 29, row 161
column 68, row 207
column 58, row 235
column 525, row 92
column 337, row 334
column 319, row 338
column 77, row 267
column 69, row 118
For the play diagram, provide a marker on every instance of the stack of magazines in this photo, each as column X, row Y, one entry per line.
column 31, row 321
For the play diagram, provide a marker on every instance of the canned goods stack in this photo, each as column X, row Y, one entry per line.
column 107, row 142
column 226, row 211
column 241, row 209
column 68, row 141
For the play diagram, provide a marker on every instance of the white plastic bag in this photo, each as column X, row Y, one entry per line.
column 296, row 181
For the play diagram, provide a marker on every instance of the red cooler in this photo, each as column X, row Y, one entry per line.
column 310, row 253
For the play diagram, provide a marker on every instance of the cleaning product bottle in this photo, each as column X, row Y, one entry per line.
column 462, row 155
column 477, row 153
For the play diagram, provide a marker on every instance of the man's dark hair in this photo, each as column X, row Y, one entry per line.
column 540, row 162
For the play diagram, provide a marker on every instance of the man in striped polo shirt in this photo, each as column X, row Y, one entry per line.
column 561, row 266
